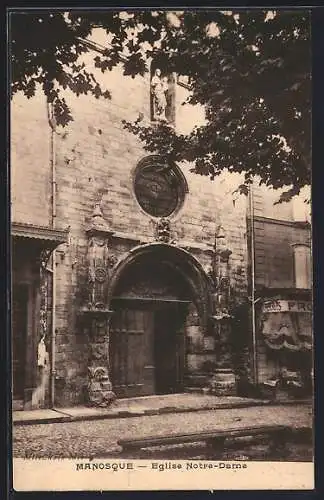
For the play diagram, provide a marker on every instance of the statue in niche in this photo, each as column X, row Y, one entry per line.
column 159, row 89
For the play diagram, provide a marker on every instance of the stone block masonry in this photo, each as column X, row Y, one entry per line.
column 30, row 175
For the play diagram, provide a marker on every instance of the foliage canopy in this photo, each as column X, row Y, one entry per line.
column 251, row 70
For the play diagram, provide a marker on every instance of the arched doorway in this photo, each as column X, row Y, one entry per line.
column 152, row 291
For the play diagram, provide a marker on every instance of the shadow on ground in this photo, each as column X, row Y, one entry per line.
column 257, row 449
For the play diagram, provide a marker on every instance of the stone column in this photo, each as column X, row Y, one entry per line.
column 99, row 385
column 223, row 380
column 96, row 313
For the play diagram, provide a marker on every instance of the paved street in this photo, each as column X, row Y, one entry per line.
column 98, row 438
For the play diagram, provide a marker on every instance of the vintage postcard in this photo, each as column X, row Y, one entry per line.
column 161, row 277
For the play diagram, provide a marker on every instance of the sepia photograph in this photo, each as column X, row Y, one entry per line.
column 161, row 249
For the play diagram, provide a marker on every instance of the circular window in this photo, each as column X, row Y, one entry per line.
column 159, row 187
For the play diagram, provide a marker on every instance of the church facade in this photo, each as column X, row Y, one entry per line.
column 132, row 276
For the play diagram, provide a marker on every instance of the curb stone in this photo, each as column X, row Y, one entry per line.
column 63, row 418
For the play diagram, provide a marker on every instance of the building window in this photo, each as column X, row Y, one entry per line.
column 160, row 187
column 302, row 266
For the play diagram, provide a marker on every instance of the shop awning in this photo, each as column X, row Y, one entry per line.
column 36, row 242
column 287, row 324
column 44, row 236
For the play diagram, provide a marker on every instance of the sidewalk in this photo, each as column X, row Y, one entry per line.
column 135, row 407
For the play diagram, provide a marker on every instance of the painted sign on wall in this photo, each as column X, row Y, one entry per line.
column 279, row 306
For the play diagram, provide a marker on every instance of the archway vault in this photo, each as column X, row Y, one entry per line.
column 181, row 260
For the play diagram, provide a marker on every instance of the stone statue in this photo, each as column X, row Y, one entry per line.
column 99, row 387
column 159, row 89
column 163, row 230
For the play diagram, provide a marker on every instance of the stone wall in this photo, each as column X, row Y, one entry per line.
column 30, row 175
column 275, row 262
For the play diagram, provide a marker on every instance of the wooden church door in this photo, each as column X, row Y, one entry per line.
column 132, row 353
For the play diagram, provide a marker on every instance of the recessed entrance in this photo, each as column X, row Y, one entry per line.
column 148, row 329
column 154, row 292
column 169, row 348
column 148, row 347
